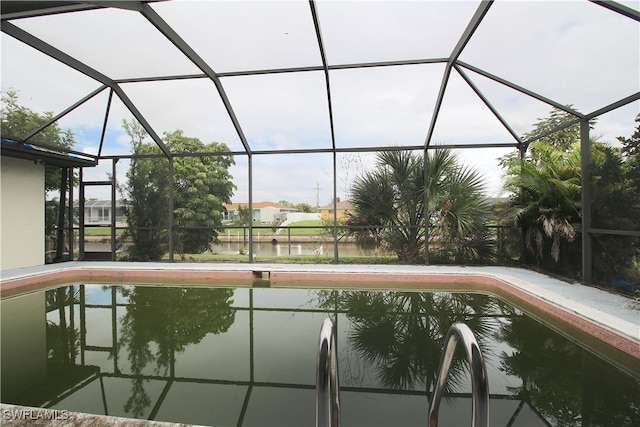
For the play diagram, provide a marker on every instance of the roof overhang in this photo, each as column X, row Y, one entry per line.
column 21, row 150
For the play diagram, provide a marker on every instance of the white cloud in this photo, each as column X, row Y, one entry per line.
column 116, row 42
column 282, row 111
column 246, row 35
column 369, row 31
column 43, row 84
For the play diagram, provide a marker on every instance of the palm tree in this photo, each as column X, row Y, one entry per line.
column 547, row 197
column 546, row 200
column 461, row 213
column 389, row 206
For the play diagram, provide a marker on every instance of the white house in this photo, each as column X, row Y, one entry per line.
column 98, row 212
column 265, row 212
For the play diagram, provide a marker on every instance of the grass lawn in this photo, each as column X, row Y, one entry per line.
column 235, row 230
column 307, row 231
column 101, row 231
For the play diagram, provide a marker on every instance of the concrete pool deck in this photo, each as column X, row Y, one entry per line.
column 609, row 317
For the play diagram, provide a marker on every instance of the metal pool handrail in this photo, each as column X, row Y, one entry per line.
column 327, row 386
column 479, row 381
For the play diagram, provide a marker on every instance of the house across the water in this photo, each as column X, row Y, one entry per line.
column 342, row 208
column 265, row 212
column 98, row 212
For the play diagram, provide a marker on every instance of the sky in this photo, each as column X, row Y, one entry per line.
column 573, row 52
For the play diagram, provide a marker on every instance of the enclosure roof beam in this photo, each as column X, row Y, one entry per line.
column 191, row 54
column 624, row 101
column 105, row 122
column 488, row 104
column 72, row 62
column 388, row 148
column 65, row 112
column 436, row 108
column 141, row 119
column 521, row 89
column 553, row 130
column 389, row 63
column 26, row 9
column 316, row 24
column 126, row 5
column 54, row 53
column 30, row 9
column 284, row 70
column 592, row 115
column 327, row 150
column 477, row 17
column 619, row 8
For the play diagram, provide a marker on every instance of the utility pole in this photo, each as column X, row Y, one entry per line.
column 317, row 188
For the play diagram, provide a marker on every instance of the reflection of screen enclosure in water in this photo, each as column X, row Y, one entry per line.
column 244, row 356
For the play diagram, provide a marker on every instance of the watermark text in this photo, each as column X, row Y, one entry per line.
column 33, row 414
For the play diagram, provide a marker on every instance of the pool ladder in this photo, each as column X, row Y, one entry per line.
column 479, row 381
column 328, row 388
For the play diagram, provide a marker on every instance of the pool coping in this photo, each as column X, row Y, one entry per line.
column 611, row 318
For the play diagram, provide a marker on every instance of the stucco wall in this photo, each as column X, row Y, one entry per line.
column 21, row 213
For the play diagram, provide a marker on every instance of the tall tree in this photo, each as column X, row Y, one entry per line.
column 389, row 207
column 201, row 186
column 146, row 197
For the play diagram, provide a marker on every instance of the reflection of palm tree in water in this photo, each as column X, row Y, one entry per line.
column 402, row 333
column 172, row 318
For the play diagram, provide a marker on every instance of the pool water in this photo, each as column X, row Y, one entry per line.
column 246, row 356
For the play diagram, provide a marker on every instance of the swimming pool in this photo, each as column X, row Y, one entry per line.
column 245, row 355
